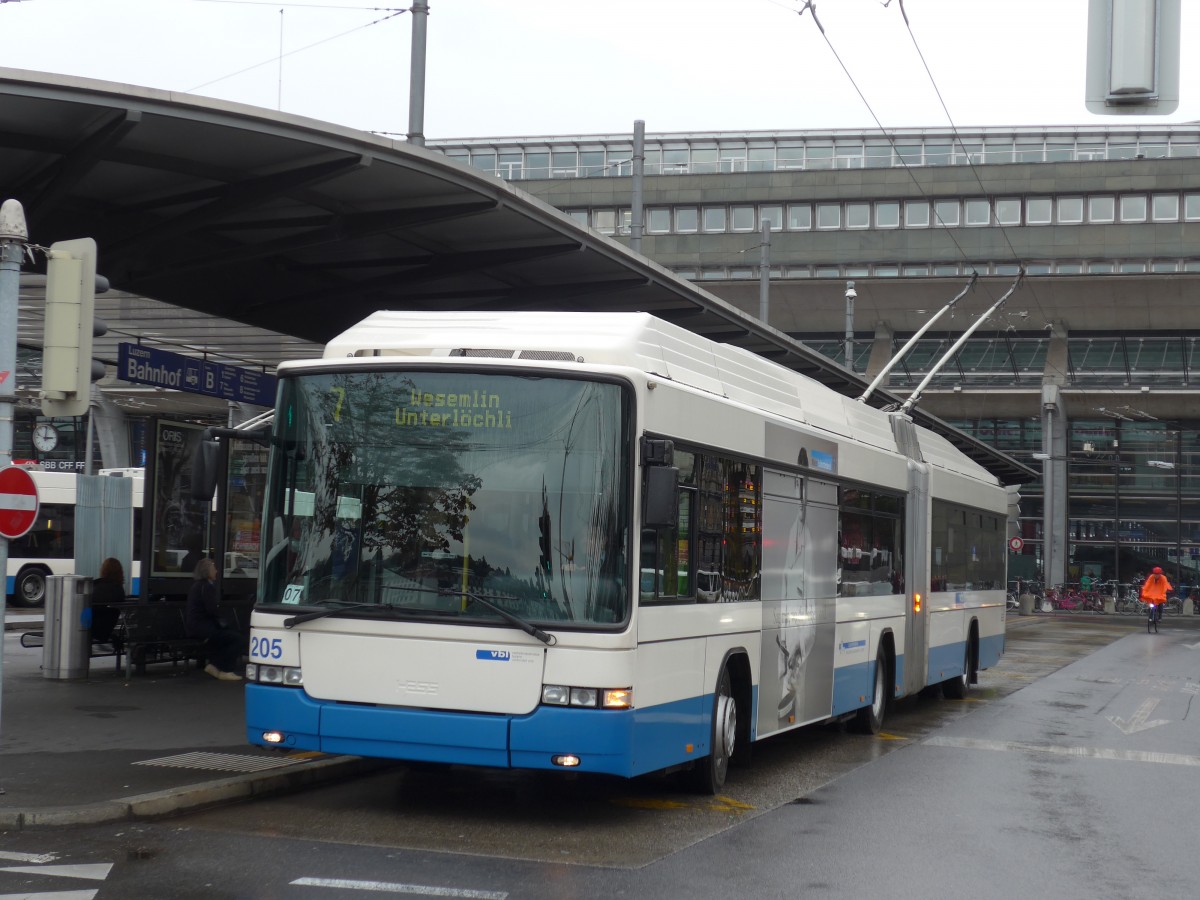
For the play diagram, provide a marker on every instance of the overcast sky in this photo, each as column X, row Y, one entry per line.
column 538, row 67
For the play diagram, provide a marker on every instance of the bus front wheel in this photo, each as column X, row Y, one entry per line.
column 29, row 589
column 869, row 719
column 708, row 775
column 958, row 687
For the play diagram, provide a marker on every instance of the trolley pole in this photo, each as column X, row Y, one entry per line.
column 14, row 235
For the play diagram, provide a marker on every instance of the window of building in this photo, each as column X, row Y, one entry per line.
column 604, row 220
column 1165, row 207
column 1133, row 208
column 687, row 219
column 1101, row 209
column 887, row 271
column 818, row 157
column 946, row 269
column 743, row 218
column 938, row 154
column 1191, row 207
column 1070, row 210
column 484, row 160
column 1164, row 265
column 909, row 154
column 732, row 159
column 704, row 160
column 564, row 163
column 742, row 273
column 675, row 161
column 799, row 216
column 887, row 214
column 1037, row 269
column 762, row 159
column 827, row 272
column 916, row 271
column 1063, row 268
column 772, row 215
column 715, row 218
column 858, row 271
column 946, row 213
column 916, row 213
column 829, row 215
column 579, row 215
column 1132, row 268
column 877, row 155
column 658, row 220
column 858, row 215
column 789, row 157
column 1100, row 267
column 537, row 164
column 591, row 163
column 979, row 211
column 1038, row 210
column 1008, row 211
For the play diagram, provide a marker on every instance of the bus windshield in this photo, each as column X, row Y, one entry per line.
column 427, row 492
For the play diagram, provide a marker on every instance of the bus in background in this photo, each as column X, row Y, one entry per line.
column 49, row 547
column 597, row 542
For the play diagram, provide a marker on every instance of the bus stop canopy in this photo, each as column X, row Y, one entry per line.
column 302, row 228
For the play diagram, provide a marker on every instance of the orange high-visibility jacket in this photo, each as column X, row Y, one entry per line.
column 1155, row 589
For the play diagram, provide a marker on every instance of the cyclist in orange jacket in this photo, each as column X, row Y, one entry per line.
column 1154, row 593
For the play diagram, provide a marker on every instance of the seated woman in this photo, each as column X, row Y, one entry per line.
column 108, row 589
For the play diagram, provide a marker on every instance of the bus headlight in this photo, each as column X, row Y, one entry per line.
column 287, row 676
column 587, row 698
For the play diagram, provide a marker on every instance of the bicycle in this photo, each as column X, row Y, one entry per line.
column 1153, row 616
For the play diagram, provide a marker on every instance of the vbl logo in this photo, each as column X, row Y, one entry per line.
column 498, row 655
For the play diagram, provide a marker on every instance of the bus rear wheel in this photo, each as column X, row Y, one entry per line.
column 708, row 774
column 29, row 588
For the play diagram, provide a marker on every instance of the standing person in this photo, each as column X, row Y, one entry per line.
column 202, row 620
column 107, row 589
column 1154, row 593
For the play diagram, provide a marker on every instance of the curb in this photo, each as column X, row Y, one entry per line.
column 195, row 796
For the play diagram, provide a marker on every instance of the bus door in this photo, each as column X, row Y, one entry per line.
column 916, row 579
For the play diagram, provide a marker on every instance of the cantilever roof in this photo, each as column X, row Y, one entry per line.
column 302, row 227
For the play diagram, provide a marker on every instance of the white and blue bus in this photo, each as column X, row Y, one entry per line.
column 48, row 548
column 601, row 543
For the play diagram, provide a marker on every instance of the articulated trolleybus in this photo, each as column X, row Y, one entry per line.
column 598, row 542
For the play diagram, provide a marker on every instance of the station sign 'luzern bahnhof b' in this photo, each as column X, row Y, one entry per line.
column 162, row 368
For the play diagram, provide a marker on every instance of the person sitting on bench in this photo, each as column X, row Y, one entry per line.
column 203, row 620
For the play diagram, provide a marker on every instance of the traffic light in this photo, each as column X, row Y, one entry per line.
column 67, row 365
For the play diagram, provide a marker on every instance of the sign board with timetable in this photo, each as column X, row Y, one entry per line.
column 162, row 368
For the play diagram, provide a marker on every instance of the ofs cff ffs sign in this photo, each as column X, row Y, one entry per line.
column 161, row 368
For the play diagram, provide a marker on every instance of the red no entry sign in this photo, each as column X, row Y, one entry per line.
column 18, row 502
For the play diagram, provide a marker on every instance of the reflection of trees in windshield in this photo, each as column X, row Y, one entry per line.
column 523, row 503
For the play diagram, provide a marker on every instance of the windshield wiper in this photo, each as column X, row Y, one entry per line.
column 320, row 614
column 516, row 621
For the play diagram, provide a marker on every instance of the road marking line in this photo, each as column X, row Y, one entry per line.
column 384, row 886
column 29, row 857
column 1138, row 721
column 89, row 894
column 90, row 871
column 1170, row 759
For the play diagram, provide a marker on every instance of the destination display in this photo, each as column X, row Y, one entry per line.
column 162, row 368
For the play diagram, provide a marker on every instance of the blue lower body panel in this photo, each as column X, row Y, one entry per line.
column 615, row 742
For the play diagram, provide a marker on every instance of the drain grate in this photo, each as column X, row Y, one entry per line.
column 223, row 762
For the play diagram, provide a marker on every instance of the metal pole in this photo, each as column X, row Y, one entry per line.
column 416, row 76
column 764, row 274
column 851, row 293
column 14, row 235
column 636, row 213
column 862, row 398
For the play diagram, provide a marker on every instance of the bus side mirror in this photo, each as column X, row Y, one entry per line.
column 661, row 497
column 206, row 466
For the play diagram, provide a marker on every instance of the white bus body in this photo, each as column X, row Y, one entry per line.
column 824, row 561
column 49, row 546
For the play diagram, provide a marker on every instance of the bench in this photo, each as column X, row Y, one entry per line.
column 154, row 632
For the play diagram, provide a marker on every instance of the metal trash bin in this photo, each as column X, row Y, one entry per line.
column 68, row 630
